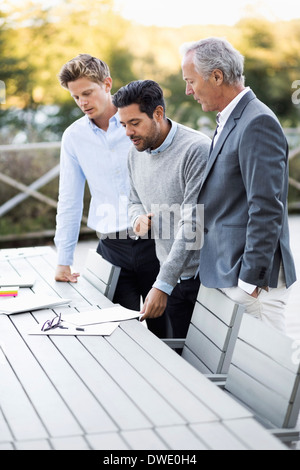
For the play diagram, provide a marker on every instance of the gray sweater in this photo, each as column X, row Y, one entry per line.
column 168, row 184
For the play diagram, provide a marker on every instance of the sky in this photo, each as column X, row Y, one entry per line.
column 177, row 13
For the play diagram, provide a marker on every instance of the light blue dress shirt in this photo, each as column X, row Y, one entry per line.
column 168, row 140
column 89, row 154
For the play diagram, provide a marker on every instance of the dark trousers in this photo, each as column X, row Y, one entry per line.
column 139, row 269
column 181, row 304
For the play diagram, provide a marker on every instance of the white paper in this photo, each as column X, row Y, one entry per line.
column 104, row 329
column 18, row 253
column 21, row 281
column 93, row 317
column 28, row 304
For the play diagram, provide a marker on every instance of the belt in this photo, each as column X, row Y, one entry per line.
column 121, row 235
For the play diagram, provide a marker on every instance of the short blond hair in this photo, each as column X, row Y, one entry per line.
column 84, row 65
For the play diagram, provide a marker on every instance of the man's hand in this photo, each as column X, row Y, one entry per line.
column 64, row 274
column 142, row 224
column 155, row 304
column 255, row 293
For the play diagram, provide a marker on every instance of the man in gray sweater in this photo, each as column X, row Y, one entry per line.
column 166, row 165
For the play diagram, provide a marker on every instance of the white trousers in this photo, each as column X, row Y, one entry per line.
column 269, row 307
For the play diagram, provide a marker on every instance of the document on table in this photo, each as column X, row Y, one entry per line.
column 93, row 317
column 90, row 323
column 14, row 280
column 30, row 303
column 18, row 253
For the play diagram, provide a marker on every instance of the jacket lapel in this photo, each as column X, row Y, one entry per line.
column 229, row 126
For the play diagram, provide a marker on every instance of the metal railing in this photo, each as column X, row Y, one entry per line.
column 32, row 190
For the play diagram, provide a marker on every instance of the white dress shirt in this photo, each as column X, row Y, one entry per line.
column 89, row 154
column 223, row 116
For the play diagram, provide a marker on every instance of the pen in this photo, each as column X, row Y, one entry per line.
column 80, row 329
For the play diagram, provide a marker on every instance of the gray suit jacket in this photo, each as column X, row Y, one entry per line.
column 244, row 192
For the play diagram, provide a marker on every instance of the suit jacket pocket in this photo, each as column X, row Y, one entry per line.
column 234, row 225
column 233, row 242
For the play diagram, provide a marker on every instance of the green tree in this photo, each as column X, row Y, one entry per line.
column 269, row 69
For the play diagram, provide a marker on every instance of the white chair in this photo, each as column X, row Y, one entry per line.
column 101, row 274
column 212, row 333
column 264, row 375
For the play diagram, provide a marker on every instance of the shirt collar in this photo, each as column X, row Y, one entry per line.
column 114, row 120
column 168, row 140
column 224, row 115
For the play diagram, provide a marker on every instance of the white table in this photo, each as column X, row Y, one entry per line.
column 128, row 391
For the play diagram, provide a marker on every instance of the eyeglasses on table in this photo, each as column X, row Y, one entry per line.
column 54, row 323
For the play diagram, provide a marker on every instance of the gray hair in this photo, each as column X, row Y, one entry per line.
column 216, row 53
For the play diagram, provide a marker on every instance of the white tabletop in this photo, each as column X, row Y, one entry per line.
column 126, row 391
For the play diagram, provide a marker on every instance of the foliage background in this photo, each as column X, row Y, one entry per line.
column 35, row 42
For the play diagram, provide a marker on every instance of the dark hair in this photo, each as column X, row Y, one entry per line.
column 146, row 93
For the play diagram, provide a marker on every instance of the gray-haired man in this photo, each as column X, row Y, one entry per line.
column 246, row 250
